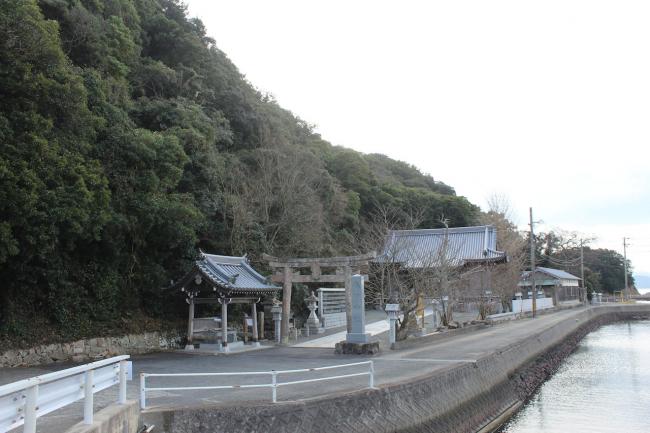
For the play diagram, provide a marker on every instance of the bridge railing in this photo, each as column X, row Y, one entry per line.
column 23, row 402
column 274, row 375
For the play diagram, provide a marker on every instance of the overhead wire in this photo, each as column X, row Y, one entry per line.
column 558, row 261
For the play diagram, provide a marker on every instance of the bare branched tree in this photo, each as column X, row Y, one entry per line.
column 447, row 272
column 407, row 273
column 505, row 276
column 499, row 203
column 275, row 203
column 373, row 238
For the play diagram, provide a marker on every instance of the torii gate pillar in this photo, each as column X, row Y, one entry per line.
column 284, row 273
column 287, row 284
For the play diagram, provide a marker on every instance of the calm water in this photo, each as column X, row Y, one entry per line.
column 604, row 386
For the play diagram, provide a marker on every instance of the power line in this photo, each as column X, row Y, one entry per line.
column 557, row 261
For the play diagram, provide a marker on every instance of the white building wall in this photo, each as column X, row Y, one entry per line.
column 524, row 305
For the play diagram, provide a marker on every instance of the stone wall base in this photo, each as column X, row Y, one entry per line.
column 91, row 349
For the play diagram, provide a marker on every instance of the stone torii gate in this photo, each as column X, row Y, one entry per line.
column 287, row 272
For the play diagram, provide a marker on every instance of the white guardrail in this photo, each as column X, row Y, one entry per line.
column 274, row 385
column 22, row 402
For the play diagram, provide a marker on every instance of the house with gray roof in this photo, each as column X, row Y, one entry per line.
column 461, row 246
column 469, row 249
column 560, row 285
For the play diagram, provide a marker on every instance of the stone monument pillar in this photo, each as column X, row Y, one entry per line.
column 358, row 333
column 357, row 340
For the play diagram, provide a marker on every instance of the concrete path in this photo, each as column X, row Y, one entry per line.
column 390, row 367
column 330, row 341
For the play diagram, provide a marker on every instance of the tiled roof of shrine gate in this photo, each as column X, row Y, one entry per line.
column 431, row 247
column 234, row 274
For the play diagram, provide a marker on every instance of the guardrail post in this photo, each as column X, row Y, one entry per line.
column 31, row 397
column 274, row 382
column 88, row 397
column 371, row 378
column 122, row 394
column 143, row 402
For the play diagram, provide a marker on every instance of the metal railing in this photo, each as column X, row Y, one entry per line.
column 22, row 402
column 274, row 385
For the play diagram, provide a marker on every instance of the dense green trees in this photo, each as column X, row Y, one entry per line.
column 54, row 197
column 129, row 140
column 604, row 268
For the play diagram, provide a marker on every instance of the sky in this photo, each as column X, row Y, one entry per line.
column 546, row 103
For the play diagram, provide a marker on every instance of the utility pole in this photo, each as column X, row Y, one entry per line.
column 582, row 272
column 625, row 264
column 532, row 262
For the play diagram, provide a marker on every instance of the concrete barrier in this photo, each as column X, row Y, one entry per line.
column 117, row 418
column 466, row 397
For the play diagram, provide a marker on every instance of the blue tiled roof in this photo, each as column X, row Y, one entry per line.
column 424, row 247
column 233, row 274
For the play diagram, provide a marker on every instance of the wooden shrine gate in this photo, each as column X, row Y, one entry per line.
column 287, row 272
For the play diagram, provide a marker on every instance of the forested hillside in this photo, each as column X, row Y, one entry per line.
column 129, row 140
column 604, row 269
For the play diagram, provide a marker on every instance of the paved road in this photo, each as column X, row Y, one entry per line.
column 390, row 366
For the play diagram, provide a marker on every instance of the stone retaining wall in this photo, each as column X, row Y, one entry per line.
column 91, row 349
column 460, row 398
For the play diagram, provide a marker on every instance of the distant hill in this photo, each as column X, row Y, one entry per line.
column 129, row 140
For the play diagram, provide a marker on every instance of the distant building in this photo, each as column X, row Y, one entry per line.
column 471, row 248
column 555, row 283
column 465, row 246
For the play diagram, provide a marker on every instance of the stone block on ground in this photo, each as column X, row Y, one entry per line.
column 347, row 348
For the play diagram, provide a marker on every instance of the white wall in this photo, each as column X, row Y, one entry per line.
column 527, row 304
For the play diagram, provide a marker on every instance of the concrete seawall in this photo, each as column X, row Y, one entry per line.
column 466, row 397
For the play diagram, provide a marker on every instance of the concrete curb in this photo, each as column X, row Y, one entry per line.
column 116, row 418
column 435, row 337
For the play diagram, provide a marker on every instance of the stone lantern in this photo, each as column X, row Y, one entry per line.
column 313, row 324
column 393, row 314
column 276, row 310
